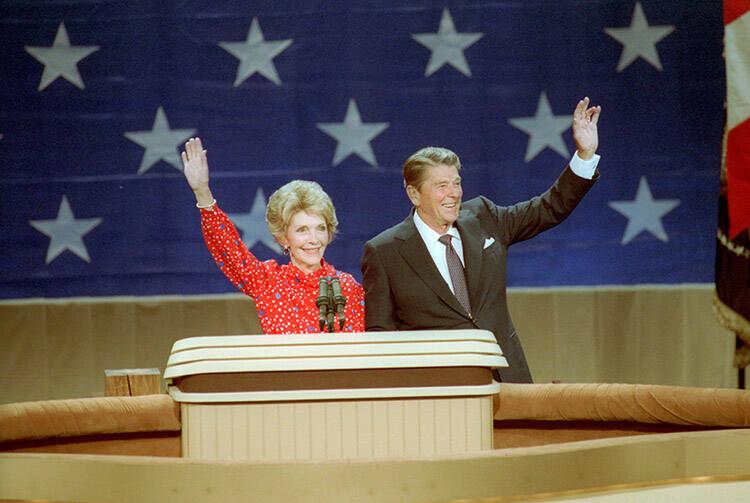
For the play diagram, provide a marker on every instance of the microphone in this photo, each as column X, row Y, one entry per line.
column 331, row 310
column 322, row 301
column 339, row 301
column 331, row 303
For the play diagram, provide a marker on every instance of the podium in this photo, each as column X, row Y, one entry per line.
column 335, row 396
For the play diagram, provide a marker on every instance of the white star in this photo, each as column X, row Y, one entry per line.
column 644, row 213
column 66, row 232
column 161, row 143
column 61, row 59
column 544, row 129
column 639, row 39
column 447, row 46
column 253, row 224
column 352, row 135
column 256, row 55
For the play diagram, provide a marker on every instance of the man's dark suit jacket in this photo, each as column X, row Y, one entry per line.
column 405, row 291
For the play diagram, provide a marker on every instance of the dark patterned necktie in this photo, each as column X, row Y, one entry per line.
column 456, row 270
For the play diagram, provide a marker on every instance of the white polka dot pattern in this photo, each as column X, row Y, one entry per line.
column 284, row 295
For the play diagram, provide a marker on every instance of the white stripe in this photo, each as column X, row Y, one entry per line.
column 334, row 394
column 737, row 54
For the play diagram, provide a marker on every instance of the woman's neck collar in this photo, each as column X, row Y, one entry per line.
column 305, row 272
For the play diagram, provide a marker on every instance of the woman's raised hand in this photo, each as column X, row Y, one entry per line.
column 195, row 167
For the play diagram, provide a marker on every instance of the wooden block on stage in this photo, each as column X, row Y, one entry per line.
column 132, row 382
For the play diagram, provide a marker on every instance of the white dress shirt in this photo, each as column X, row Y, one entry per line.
column 582, row 168
column 437, row 249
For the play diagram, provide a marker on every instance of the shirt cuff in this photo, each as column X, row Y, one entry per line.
column 584, row 169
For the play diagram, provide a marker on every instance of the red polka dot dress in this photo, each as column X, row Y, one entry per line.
column 284, row 295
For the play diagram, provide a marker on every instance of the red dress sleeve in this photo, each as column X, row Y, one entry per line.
column 231, row 255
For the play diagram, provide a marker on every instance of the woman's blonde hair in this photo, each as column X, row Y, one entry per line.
column 296, row 196
column 416, row 166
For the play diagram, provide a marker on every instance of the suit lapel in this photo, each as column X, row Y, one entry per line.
column 414, row 252
column 471, row 239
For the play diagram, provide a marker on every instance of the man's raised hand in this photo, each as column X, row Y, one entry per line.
column 585, row 131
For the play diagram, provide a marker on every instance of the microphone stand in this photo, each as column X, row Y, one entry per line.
column 331, row 303
column 339, row 301
column 330, row 321
column 323, row 301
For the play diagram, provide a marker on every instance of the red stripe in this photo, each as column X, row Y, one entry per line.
column 734, row 9
column 738, row 178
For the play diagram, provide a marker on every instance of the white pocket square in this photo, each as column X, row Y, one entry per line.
column 488, row 242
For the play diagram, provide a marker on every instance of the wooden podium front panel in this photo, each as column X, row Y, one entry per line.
column 329, row 430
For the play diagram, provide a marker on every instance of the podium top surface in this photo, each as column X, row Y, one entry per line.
column 333, row 339
column 303, row 352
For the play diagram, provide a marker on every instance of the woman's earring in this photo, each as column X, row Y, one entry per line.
column 286, row 250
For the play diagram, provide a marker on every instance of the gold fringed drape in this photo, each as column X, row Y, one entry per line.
column 736, row 323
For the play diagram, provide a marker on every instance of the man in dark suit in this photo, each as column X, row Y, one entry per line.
column 444, row 267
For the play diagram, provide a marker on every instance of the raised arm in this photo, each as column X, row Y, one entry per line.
column 528, row 218
column 195, row 168
column 223, row 241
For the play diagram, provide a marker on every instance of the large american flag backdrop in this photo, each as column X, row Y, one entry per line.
column 98, row 97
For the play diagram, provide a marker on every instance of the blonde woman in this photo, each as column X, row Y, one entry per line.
column 302, row 219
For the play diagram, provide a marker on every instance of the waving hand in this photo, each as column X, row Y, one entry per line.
column 585, row 132
column 195, row 167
